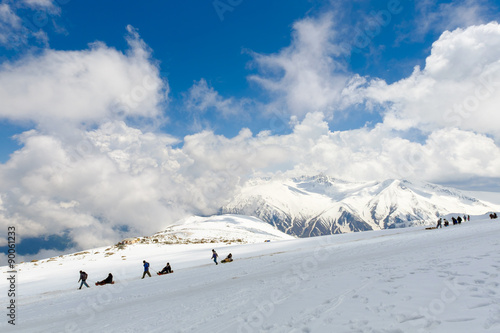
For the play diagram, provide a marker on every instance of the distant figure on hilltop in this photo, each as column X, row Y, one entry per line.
column 215, row 256
column 439, row 224
column 108, row 280
column 83, row 278
column 146, row 269
column 446, row 223
column 459, row 220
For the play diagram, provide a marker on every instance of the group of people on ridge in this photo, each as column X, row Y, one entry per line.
column 455, row 221
column 166, row 270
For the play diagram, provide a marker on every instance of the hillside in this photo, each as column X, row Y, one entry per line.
column 398, row 280
column 313, row 206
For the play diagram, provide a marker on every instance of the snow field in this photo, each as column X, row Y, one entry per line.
column 388, row 281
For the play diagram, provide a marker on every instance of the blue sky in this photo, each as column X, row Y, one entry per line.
column 117, row 120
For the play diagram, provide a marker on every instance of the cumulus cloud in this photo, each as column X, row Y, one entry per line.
column 457, row 88
column 82, row 86
column 25, row 20
column 67, row 172
column 306, row 76
column 9, row 22
column 438, row 17
column 202, row 97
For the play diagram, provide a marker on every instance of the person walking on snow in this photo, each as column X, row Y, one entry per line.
column 214, row 256
column 146, row 269
column 439, row 224
column 83, row 278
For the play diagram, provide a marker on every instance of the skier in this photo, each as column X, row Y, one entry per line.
column 439, row 224
column 83, row 278
column 146, row 269
column 459, row 220
column 167, row 269
column 446, row 223
column 215, row 256
column 107, row 280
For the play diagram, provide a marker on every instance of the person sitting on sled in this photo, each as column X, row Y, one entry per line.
column 107, row 280
column 229, row 258
column 167, row 269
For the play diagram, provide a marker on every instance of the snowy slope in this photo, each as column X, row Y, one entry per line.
column 312, row 206
column 398, row 280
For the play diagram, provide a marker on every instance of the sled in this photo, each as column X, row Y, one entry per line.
column 102, row 284
column 430, row 228
column 226, row 260
column 163, row 273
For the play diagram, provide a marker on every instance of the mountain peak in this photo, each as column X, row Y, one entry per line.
column 318, row 205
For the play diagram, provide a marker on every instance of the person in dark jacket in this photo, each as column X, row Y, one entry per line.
column 459, row 220
column 83, row 278
column 167, row 269
column 146, row 269
column 215, row 256
column 439, row 224
column 107, row 280
column 446, row 223
column 229, row 258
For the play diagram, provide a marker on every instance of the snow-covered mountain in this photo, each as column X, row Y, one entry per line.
column 219, row 229
column 313, row 206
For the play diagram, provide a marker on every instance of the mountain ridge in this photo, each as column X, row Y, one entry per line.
column 321, row 205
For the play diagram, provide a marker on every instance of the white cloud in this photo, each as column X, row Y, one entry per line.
column 438, row 17
column 201, row 98
column 82, row 86
column 306, row 76
column 39, row 3
column 457, row 88
column 25, row 20
column 9, row 23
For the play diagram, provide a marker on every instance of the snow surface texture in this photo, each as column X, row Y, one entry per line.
column 389, row 281
column 321, row 205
